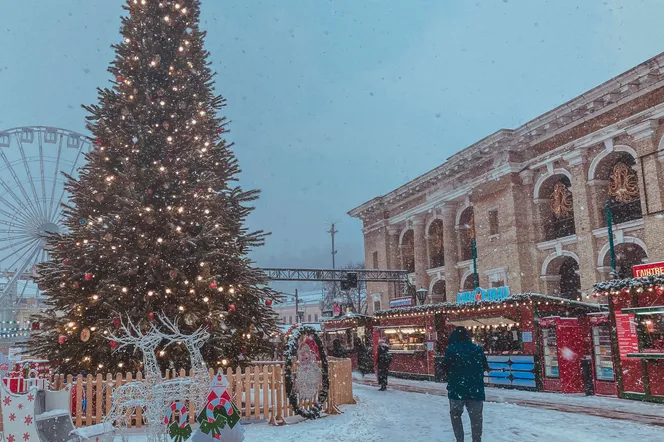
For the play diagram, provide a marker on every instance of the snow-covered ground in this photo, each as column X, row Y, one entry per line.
column 401, row 416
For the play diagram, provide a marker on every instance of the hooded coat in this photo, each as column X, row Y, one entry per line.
column 383, row 361
column 465, row 363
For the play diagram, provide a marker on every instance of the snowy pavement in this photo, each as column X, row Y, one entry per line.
column 636, row 411
column 403, row 416
column 398, row 416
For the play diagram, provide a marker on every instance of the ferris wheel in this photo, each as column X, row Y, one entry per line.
column 32, row 162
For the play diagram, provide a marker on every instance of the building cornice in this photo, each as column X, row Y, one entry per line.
column 636, row 82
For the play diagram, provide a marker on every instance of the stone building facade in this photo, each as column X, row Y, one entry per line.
column 534, row 198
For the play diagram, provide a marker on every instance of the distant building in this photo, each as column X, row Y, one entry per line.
column 535, row 199
column 310, row 305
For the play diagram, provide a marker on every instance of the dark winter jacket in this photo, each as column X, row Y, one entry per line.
column 337, row 350
column 383, row 359
column 465, row 363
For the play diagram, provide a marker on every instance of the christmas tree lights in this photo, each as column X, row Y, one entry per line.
column 155, row 221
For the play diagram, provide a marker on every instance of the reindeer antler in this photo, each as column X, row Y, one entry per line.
column 201, row 334
column 134, row 336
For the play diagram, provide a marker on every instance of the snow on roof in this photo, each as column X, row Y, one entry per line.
column 514, row 298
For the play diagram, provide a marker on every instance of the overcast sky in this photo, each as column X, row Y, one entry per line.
column 334, row 102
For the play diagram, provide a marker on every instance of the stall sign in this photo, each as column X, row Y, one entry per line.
column 547, row 322
column 600, row 319
column 628, row 340
column 477, row 295
column 527, row 336
column 401, row 302
column 651, row 269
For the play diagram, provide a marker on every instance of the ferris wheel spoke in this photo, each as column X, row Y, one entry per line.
column 14, row 219
column 71, row 173
column 20, row 202
column 18, row 214
column 29, row 246
column 20, row 270
column 25, row 241
column 41, row 171
column 56, row 172
column 26, row 166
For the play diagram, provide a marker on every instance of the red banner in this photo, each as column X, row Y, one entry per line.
column 651, row 269
column 628, row 340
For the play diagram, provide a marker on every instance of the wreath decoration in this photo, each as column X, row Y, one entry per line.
column 290, row 354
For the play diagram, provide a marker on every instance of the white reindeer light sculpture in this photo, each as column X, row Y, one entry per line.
column 154, row 395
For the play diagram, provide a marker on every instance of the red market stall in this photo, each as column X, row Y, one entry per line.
column 348, row 329
column 637, row 313
column 507, row 327
column 603, row 366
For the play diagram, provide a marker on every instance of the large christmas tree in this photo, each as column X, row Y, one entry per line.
column 155, row 218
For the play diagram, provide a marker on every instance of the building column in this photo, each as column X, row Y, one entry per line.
column 392, row 262
column 421, row 277
column 451, row 251
column 585, row 213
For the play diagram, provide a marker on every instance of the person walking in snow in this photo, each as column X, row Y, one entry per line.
column 465, row 363
column 383, row 361
column 364, row 358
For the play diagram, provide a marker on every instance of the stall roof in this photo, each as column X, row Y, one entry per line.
column 523, row 297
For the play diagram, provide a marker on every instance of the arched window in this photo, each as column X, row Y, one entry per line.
column 408, row 251
column 436, row 252
column 556, row 206
column 624, row 198
column 627, row 256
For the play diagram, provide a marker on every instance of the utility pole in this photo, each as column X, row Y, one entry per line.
column 297, row 306
column 332, row 231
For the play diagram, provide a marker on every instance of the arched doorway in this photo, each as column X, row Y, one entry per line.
column 570, row 281
column 438, row 291
column 561, row 275
column 408, row 251
column 468, row 283
column 628, row 254
column 436, row 251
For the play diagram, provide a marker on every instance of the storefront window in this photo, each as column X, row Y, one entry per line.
column 603, row 353
column 550, row 350
column 497, row 340
column 652, row 332
column 405, row 339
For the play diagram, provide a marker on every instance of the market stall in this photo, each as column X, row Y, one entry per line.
column 508, row 329
column 350, row 331
column 602, row 354
column 637, row 313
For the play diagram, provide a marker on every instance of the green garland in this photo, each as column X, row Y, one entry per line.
column 290, row 353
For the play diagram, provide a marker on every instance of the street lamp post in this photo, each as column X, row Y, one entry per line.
column 476, row 276
column 612, row 250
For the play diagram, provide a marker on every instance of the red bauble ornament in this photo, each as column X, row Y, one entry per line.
column 151, row 315
column 120, row 79
column 113, row 345
column 65, row 261
column 173, row 274
column 62, row 339
column 231, row 308
column 154, row 262
column 268, row 302
column 36, row 325
column 62, row 246
column 116, row 322
column 149, row 191
column 220, row 131
column 213, row 285
column 244, row 350
column 99, row 141
column 75, row 284
column 88, row 276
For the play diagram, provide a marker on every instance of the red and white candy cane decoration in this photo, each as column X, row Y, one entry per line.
column 179, row 407
column 214, row 403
